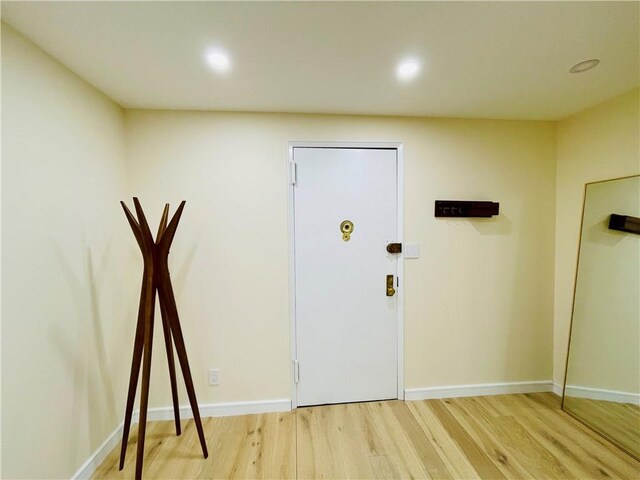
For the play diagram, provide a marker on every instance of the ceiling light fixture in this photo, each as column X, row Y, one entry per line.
column 584, row 66
column 218, row 61
column 407, row 69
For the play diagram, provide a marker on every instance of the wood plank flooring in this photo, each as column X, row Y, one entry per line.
column 618, row 421
column 505, row 436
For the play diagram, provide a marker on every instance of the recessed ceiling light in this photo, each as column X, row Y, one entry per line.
column 584, row 66
column 218, row 61
column 407, row 69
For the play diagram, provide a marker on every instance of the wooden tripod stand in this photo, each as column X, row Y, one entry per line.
column 156, row 278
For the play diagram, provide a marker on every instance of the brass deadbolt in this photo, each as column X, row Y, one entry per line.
column 346, row 228
column 390, row 290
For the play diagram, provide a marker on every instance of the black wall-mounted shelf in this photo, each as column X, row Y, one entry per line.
column 624, row 223
column 466, row 208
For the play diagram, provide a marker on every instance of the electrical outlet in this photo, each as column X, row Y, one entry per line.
column 213, row 376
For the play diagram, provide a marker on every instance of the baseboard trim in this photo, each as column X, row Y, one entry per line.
column 90, row 466
column 602, row 394
column 219, row 409
column 478, row 390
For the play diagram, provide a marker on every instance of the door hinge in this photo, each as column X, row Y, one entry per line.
column 293, row 172
column 296, row 371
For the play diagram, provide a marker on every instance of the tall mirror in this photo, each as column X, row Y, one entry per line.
column 602, row 382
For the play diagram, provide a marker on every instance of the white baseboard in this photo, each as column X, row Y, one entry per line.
column 557, row 389
column 89, row 467
column 219, row 409
column 602, row 394
column 478, row 390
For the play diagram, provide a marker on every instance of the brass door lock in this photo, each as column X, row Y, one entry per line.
column 346, row 228
column 390, row 290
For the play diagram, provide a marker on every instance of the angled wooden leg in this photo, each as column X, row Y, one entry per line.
column 156, row 278
column 168, row 342
column 166, row 294
column 133, row 377
column 150, row 297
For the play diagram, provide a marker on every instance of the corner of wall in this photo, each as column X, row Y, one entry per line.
column 598, row 143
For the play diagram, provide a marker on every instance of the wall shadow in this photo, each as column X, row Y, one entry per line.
column 82, row 347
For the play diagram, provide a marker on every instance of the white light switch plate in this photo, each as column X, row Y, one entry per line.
column 411, row 250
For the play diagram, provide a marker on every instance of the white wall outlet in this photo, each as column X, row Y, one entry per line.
column 213, row 376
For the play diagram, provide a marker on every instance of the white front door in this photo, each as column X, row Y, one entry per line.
column 345, row 318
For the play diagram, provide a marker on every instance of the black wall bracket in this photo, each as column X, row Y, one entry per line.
column 624, row 223
column 465, row 208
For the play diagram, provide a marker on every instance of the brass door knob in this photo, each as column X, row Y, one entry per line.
column 394, row 248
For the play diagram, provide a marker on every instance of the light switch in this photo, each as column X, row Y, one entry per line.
column 411, row 250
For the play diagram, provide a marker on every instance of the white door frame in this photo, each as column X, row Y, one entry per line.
column 398, row 147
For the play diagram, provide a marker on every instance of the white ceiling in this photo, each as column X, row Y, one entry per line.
column 481, row 59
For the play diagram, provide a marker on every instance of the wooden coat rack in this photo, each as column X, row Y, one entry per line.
column 156, row 278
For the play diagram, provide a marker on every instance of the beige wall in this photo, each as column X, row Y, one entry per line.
column 66, row 283
column 478, row 303
column 600, row 143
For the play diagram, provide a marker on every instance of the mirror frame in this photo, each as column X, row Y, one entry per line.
column 573, row 307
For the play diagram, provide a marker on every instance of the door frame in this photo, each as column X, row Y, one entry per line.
column 398, row 147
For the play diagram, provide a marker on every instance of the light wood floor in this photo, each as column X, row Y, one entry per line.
column 507, row 436
column 618, row 421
